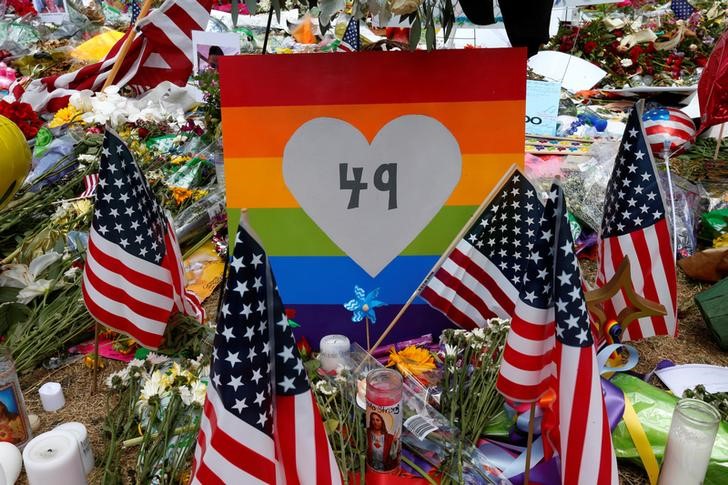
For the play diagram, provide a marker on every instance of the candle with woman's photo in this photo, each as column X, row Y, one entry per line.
column 384, row 419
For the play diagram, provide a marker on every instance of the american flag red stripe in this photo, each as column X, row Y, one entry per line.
column 222, row 456
column 161, row 51
column 90, row 182
column 480, row 279
column 635, row 226
column 125, row 293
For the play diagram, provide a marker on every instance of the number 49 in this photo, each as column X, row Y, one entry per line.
column 385, row 180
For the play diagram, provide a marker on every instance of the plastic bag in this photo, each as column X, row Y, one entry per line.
column 686, row 201
column 654, row 409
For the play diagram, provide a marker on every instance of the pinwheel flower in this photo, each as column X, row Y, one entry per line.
column 363, row 305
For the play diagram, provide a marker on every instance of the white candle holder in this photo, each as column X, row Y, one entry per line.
column 334, row 349
column 54, row 458
column 690, row 443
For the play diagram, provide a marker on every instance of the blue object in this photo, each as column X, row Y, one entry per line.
column 363, row 304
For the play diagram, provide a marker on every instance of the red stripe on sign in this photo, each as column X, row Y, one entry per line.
column 446, row 307
column 273, row 84
column 235, row 451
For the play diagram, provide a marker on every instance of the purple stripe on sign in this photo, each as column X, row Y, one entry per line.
column 319, row 320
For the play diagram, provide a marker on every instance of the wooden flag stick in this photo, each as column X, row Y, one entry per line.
column 96, row 358
column 471, row 221
column 126, row 46
column 718, row 142
column 529, row 443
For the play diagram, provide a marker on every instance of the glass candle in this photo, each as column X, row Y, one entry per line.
column 333, row 351
column 690, row 443
column 384, row 419
column 14, row 424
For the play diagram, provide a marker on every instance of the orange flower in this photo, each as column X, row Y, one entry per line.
column 181, row 194
column 411, row 360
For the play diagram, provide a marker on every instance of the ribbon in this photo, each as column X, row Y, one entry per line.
column 642, row 444
column 618, row 405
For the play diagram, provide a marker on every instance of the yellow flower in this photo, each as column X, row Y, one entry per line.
column 411, row 360
column 181, row 194
column 64, row 116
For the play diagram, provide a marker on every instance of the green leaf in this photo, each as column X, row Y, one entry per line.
column 234, row 8
column 12, row 314
column 430, row 36
column 276, row 5
column 8, row 294
column 252, row 6
column 415, row 33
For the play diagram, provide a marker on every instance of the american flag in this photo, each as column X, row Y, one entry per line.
column 132, row 279
column 261, row 423
column 161, row 51
column 135, row 11
column 90, row 183
column 682, row 9
column 635, row 226
column 350, row 41
column 483, row 274
column 550, row 351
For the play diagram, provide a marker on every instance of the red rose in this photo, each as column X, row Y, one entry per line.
column 304, row 348
column 701, row 60
column 635, row 52
column 589, row 47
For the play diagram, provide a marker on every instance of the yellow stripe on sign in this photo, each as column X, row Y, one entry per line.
column 258, row 182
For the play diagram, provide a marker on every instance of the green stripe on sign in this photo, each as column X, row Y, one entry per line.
column 290, row 232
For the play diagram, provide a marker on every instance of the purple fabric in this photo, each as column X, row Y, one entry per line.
column 383, row 351
column 614, row 401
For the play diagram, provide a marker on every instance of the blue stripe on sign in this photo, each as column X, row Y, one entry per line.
column 330, row 280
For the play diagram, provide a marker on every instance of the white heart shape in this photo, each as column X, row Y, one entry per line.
column 372, row 232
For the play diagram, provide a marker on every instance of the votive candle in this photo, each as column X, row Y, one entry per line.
column 334, row 349
column 384, row 419
column 689, row 443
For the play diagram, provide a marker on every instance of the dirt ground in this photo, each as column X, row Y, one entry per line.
column 693, row 345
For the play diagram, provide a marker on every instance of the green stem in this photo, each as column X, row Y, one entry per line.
column 418, row 470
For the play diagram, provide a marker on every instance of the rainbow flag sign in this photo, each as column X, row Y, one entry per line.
column 360, row 169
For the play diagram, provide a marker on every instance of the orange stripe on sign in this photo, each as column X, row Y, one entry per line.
column 479, row 127
column 258, row 182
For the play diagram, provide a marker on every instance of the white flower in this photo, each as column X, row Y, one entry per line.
column 325, row 388
column 185, row 393
column 626, row 62
column 156, row 359
column 153, row 386
column 199, row 391
column 450, row 350
column 71, row 273
column 27, row 277
column 135, row 363
column 81, row 100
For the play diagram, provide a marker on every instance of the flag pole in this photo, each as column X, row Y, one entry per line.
column 471, row 221
column 96, row 358
column 529, row 443
column 718, row 142
column 126, row 46
column 267, row 30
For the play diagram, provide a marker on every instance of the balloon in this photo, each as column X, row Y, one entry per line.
column 14, row 159
column 668, row 124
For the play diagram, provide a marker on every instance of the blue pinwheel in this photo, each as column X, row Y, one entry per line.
column 363, row 305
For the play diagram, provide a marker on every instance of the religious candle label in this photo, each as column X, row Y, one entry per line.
column 12, row 426
column 384, row 429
